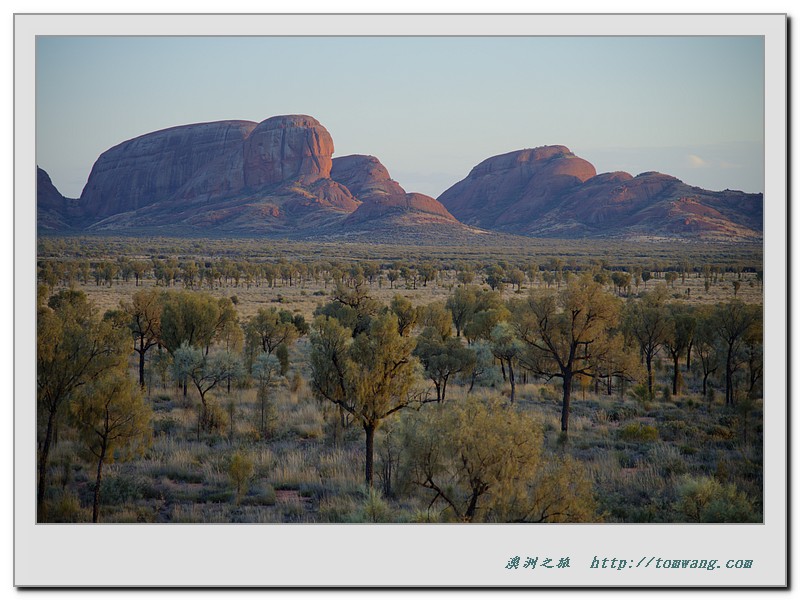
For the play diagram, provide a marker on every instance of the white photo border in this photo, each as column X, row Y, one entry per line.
column 397, row 555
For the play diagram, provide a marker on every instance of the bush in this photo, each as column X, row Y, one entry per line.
column 375, row 509
column 240, row 470
column 119, row 489
column 637, row 432
column 66, row 509
column 706, row 500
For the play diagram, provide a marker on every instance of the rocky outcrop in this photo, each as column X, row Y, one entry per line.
column 505, row 190
column 54, row 212
column 548, row 191
column 153, row 167
column 288, row 148
column 279, row 177
column 382, row 198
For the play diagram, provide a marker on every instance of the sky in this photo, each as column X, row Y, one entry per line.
column 429, row 108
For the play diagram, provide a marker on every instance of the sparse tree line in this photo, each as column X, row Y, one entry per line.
column 499, row 275
column 478, row 458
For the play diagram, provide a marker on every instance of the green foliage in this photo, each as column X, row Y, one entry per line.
column 482, row 461
column 240, row 470
column 368, row 376
column 120, row 489
column 706, row 500
column 638, row 432
column 374, row 508
column 282, row 354
column 442, row 358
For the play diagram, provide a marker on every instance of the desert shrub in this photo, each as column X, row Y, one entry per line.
column 215, row 418
column 706, row 500
column 374, row 509
column 67, row 509
column 240, row 470
column 119, row 489
column 637, row 432
column 548, row 394
column 166, row 426
column 667, row 459
column 259, row 496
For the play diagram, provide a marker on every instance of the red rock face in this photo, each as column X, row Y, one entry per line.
column 287, row 148
column 381, row 197
column 511, row 188
column 550, row 192
column 153, row 167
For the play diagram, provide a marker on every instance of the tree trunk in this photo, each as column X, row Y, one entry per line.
column 649, row 360
column 43, row 456
column 96, row 503
column 729, row 379
column 511, row 379
column 369, row 431
column 567, row 387
column 141, row 363
column 675, row 368
column 469, row 515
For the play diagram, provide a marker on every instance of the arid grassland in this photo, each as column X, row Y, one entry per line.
column 252, row 381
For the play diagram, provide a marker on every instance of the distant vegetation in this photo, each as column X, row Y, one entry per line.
column 184, row 380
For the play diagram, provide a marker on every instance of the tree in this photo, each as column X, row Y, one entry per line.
column 442, row 357
column 191, row 317
column 681, row 325
column 461, row 306
column 483, row 461
column 566, row 333
column 733, row 320
column 73, row 350
column 705, row 344
column 144, row 314
column 369, row 376
column 516, row 277
column 507, row 349
column 405, row 312
column 352, row 307
column 266, row 369
column 113, row 422
column 206, row 372
column 266, row 330
column 646, row 322
column 436, row 316
column 495, row 277
column 487, row 312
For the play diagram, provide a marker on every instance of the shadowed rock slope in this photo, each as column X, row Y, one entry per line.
column 550, row 192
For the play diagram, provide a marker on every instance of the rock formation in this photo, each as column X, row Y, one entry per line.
column 381, row 197
column 279, row 177
column 152, row 167
column 550, row 192
column 289, row 148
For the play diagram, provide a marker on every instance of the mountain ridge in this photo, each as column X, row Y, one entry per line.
column 279, row 178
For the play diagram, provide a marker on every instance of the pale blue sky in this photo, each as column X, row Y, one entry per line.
column 429, row 108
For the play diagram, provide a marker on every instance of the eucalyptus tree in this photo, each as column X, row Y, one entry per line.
column 566, row 333
column 73, row 350
column 370, row 376
column 113, row 422
column 144, row 321
column 646, row 322
column 734, row 321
